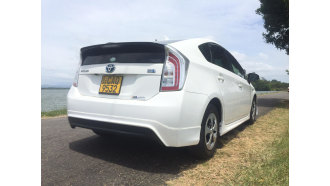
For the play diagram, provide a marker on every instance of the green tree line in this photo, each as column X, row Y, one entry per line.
column 273, row 85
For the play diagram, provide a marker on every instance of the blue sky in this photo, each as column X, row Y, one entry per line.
column 69, row 25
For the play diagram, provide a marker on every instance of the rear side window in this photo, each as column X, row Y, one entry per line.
column 215, row 54
column 218, row 56
column 137, row 52
column 205, row 49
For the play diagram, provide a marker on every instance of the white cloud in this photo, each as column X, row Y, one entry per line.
column 261, row 65
column 239, row 56
column 166, row 37
column 263, row 55
column 258, row 67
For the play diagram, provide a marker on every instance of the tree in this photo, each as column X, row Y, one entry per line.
column 261, row 85
column 276, row 16
column 273, row 85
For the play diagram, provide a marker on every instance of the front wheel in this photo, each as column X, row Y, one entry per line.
column 209, row 134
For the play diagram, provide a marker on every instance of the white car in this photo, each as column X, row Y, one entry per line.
column 185, row 93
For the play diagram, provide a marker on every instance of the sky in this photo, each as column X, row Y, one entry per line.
column 68, row 26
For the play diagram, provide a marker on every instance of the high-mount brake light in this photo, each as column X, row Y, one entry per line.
column 174, row 71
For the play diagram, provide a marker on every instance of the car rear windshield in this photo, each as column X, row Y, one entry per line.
column 137, row 52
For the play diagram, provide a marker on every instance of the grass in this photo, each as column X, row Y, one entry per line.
column 269, row 93
column 249, row 155
column 54, row 113
column 271, row 167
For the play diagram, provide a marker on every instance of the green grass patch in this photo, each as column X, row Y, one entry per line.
column 268, row 165
column 255, row 154
column 271, row 167
column 54, row 113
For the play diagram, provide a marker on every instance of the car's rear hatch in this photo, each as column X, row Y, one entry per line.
column 137, row 67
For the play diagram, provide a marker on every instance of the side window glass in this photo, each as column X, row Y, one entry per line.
column 205, row 49
column 237, row 69
column 219, row 58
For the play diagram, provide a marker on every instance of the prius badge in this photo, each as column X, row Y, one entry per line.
column 110, row 68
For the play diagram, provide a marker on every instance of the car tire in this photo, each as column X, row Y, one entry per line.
column 253, row 112
column 208, row 135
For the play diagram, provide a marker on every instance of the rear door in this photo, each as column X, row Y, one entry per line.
column 227, row 84
column 121, row 70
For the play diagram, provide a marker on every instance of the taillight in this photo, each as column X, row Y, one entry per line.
column 174, row 71
column 76, row 77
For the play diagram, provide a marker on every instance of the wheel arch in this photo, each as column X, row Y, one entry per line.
column 217, row 103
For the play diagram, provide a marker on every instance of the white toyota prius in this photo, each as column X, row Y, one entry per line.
column 184, row 93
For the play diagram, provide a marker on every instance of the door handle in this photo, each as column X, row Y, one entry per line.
column 221, row 78
column 240, row 85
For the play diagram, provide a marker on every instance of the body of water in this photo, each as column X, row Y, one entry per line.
column 55, row 99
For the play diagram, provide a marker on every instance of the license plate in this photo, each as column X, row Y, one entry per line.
column 110, row 85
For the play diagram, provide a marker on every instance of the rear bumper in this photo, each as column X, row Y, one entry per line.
column 174, row 117
column 112, row 127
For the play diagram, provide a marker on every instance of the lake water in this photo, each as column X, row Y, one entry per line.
column 55, row 99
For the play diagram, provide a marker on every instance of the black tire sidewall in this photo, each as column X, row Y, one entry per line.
column 251, row 121
column 202, row 150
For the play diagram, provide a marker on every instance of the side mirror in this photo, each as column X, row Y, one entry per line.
column 252, row 77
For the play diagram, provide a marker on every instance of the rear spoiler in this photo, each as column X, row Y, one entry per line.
column 122, row 48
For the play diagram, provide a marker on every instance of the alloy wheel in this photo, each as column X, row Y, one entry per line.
column 211, row 131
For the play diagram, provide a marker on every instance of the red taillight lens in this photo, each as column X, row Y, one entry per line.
column 174, row 72
column 171, row 73
column 75, row 80
column 76, row 77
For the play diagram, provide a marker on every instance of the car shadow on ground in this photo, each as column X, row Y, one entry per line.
column 136, row 153
column 143, row 154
